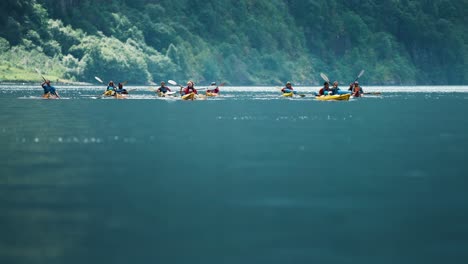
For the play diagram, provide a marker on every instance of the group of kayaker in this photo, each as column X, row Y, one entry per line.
column 354, row 89
column 111, row 90
column 190, row 88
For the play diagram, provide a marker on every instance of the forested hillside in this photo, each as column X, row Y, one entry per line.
column 239, row 41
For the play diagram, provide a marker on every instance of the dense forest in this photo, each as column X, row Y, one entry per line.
column 242, row 42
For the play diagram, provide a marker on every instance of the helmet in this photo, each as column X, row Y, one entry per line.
column 213, row 83
column 356, row 82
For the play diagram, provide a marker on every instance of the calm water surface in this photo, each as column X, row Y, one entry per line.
column 248, row 177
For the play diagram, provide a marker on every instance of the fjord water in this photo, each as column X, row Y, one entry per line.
column 244, row 178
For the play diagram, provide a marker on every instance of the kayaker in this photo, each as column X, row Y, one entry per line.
column 215, row 90
column 110, row 90
column 288, row 88
column 163, row 88
column 334, row 89
column 189, row 89
column 121, row 90
column 357, row 90
column 48, row 89
column 325, row 89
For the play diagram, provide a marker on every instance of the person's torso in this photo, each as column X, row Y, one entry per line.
column 188, row 90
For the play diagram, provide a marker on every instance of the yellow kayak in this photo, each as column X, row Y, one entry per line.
column 288, row 94
column 336, row 97
column 49, row 96
column 211, row 94
column 189, row 96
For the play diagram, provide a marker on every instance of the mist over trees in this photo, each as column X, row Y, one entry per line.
column 242, row 42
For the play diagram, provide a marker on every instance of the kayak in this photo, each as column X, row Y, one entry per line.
column 290, row 94
column 189, row 96
column 336, row 97
column 49, row 96
column 120, row 96
column 108, row 93
column 211, row 94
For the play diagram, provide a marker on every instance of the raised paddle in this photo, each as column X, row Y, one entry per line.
column 98, row 79
column 175, row 84
column 324, row 77
column 39, row 72
column 359, row 75
column 357, row 78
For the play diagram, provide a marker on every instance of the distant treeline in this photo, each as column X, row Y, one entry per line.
column 241, row 42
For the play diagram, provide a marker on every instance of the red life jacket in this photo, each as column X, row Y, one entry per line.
column 188, row 90
column 213, row 91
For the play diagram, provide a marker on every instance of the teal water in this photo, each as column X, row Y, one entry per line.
column 245, row 178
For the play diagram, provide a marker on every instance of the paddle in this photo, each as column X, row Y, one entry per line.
column 172, row 82
column 43, row 78
column 301, row 95
column 39, row 72
column 324, row 77
column 359, row 75
column 98, row 79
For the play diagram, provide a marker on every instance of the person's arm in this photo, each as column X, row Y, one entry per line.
column 195, row 91
column 169, row 89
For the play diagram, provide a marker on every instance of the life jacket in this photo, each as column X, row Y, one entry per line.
column 324, row 91
column 188, row 90
column 334, row 90
column 357, row 91
column 46, row 88
column 164, row 89
column 121, row 91
column 213, row 91
column 287, row 90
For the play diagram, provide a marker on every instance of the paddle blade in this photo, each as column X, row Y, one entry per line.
column 360, row 74
column 39, row 72
column 98, row 79
column 125, row 83
column 172, row 82
column 324, row 77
